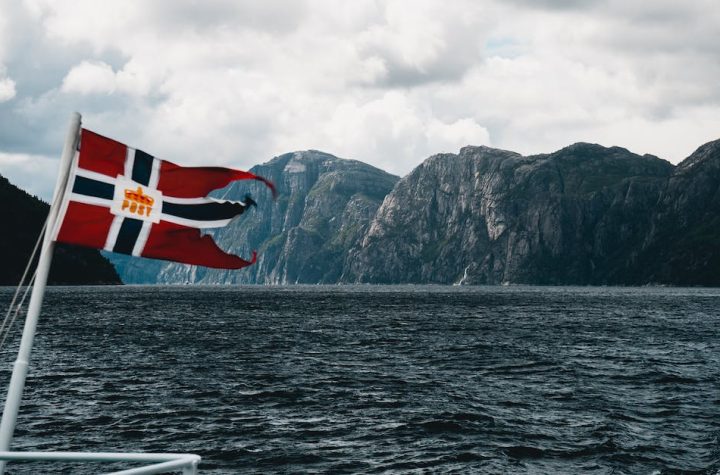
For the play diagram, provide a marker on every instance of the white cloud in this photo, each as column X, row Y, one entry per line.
column 133, row 79
column 429, row 42
column 450, row 137
column 90, row 78
column 97, row 77
column 7, row 85
column 7, row 89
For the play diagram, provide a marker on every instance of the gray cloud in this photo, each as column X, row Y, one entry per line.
column 556, row 4
column 269, row 16
column 387, row 82
column 439, row 46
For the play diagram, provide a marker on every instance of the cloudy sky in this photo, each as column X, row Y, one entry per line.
column 237, row 82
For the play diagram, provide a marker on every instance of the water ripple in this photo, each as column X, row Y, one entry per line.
column 379, row 379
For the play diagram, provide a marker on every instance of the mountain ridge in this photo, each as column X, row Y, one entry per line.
column 582, row 215
column 494, row 208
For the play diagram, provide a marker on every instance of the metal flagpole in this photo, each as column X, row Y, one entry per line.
column 17, row 380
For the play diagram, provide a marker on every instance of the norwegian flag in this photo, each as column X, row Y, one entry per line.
column 127, row 201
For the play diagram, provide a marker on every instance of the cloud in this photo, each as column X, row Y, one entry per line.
column 450, row 137
column 90, row 78
column 7, row 89
column 7, row 86
column 432, row 41
column 33, row 173
column 556, row 4
column 385, row 131
column 236, row 82
column 97, row 77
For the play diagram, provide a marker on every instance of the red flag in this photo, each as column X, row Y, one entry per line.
column 127, row 201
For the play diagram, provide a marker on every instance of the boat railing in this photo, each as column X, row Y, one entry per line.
column 161, row 463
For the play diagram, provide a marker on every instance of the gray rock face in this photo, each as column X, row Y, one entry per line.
column 135, row 270
column 681, row 247
column 486, row 216
column 584, row 215
column 324, row 205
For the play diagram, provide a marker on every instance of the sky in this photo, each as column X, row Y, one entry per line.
column 237, row 82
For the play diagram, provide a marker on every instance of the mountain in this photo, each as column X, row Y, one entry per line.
column 584, row 215
column 324, row 206
column 25, row 215
column 488, row 216
column 135, row 270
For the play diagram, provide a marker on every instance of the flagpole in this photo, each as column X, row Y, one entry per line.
column 20, row 369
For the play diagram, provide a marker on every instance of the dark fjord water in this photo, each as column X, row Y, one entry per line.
column 379, row 379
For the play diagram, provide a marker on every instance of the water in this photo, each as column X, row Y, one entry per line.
column 379, row 379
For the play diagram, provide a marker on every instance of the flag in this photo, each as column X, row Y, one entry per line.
column 124, row 200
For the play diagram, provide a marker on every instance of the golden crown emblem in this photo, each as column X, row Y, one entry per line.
column 139, row 197
column 136, row 202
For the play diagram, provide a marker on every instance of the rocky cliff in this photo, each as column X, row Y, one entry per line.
column 584, row 215
column 488, row 216
column 23, row 216
column 324, row 206
column 681, row 243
